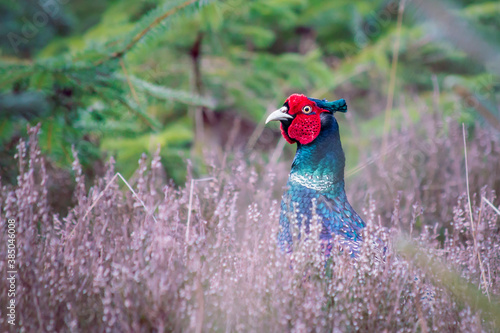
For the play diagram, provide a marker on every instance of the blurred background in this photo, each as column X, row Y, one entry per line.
column 118, row 78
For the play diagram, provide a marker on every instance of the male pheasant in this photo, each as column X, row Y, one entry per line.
column 317, row 173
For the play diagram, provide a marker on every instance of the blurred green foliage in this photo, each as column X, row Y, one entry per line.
column 121, row 77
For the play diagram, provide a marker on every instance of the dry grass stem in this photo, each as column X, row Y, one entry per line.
column 471, row 218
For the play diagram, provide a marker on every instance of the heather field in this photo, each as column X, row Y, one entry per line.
column 203, row 257
column 141, row 185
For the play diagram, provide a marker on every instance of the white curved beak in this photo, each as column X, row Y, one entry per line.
column 279, row 114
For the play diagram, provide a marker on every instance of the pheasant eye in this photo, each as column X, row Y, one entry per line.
column 307, row 109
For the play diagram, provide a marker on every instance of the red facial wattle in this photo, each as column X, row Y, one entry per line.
column 304, row 127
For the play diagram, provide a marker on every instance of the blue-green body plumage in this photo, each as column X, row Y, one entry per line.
column 317, row 173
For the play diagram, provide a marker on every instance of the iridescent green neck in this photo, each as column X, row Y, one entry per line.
column 321, row 163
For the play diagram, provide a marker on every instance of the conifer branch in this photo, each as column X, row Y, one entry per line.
column 144, row 117
column 142, row 33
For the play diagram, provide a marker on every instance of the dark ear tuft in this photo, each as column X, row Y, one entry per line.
column 339, row 105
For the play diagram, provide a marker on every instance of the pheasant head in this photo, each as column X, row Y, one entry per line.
column 300, row 117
